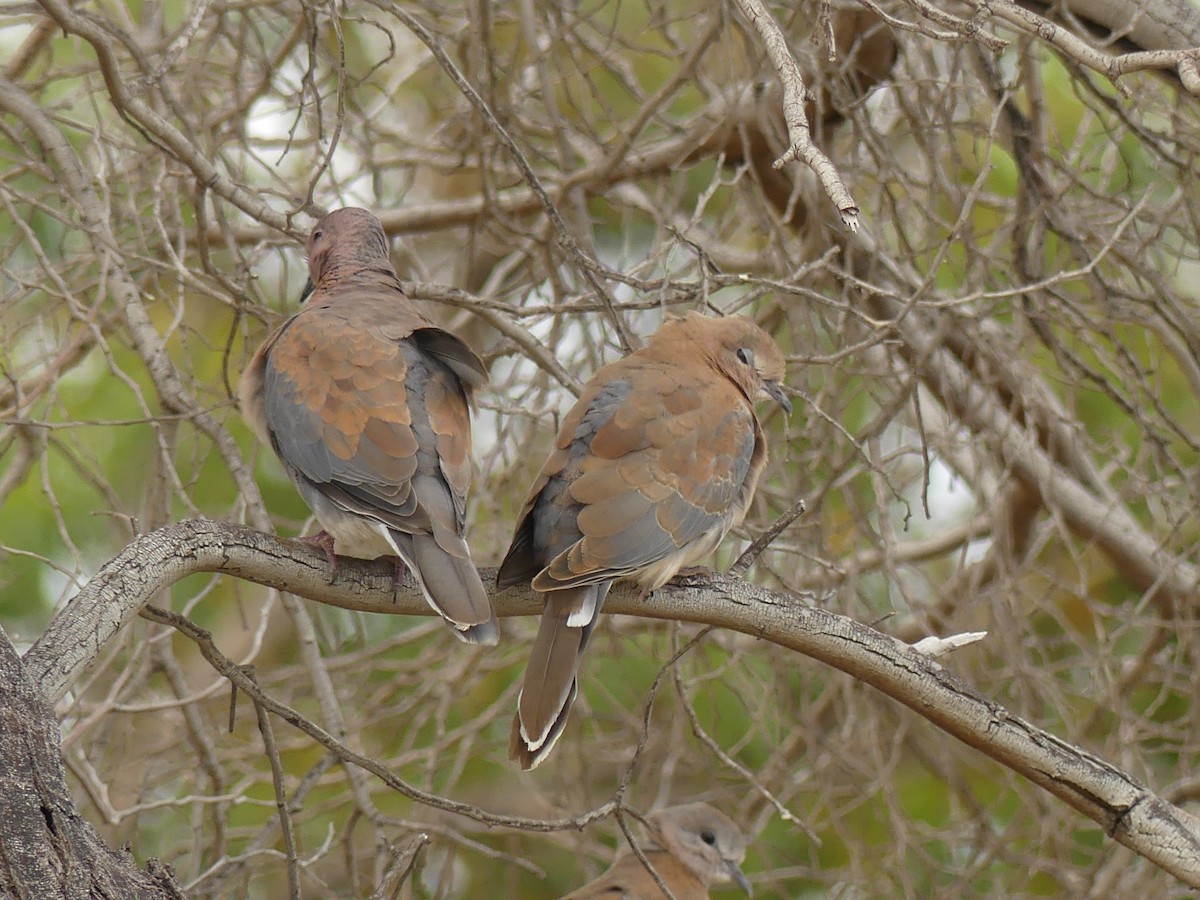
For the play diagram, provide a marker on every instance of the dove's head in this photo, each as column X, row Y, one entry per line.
column 735, row 347
column 349, row 238
column 705, row 840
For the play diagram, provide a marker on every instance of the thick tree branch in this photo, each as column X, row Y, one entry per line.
column 1140, row 24
column 1065, row 483
column 1162, row 26
column 1125, row 809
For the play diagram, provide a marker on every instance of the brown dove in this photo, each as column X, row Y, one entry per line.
column 692, row 847
column 653, row 465
column 366, row 402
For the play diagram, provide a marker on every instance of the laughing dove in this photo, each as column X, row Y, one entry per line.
column 365, row 401
column 653, row 465
column 692, row 847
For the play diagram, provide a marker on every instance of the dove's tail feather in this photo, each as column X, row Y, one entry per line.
column 452, row 586
column 551, row 683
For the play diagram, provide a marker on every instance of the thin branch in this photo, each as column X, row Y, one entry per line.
column 157, row 129
column 587, row 265
column 281, row 797
column 960, row 29
column 641, row 856
column 400, row 867
column 730, row 763
column 237, row 676
column 759, row 545
column 800, row 145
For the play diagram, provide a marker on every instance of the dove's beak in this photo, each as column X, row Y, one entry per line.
column 775, row 389
column 739, row 877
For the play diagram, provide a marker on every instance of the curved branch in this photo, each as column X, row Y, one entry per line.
column 1129, row 812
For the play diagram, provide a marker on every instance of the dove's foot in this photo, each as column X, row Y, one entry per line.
column 324, row 540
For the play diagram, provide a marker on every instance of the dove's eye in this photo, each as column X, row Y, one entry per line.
column 746, row 355
column 707, row 836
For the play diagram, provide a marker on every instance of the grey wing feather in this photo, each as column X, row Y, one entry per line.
column 294, row 432
column 454, row 354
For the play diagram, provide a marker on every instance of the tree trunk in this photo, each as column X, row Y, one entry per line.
column 47, row 850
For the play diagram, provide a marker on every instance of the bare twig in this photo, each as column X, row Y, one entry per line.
column 961, row 29
column 281, row 797
column 764, row 540
column 404, row 858
column 641, row 856
column 587, row 265
column 800, row 146
column 934, row 646
column 225, row 666
column 730, row 763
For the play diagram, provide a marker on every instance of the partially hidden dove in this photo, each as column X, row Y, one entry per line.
column 366, row 403
column 653, row 465
column 693, row 846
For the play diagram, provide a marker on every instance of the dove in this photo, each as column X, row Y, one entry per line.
column 692, row 847
column 653, row 465
column 366, row 403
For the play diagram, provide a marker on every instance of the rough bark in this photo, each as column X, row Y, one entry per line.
column 46, row 849
column 1144, row 24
